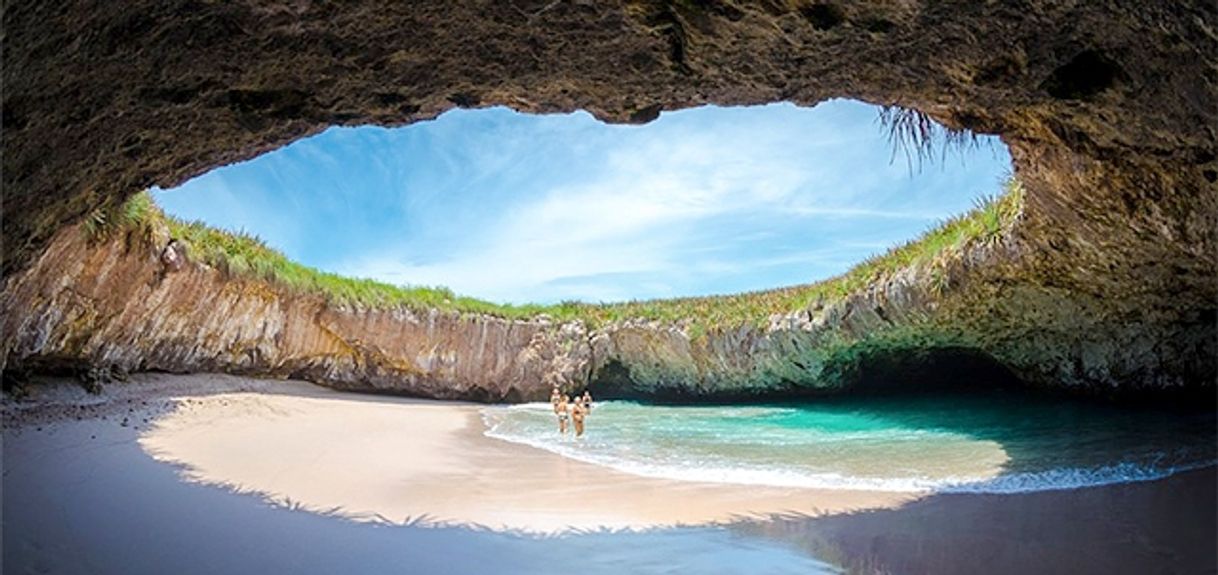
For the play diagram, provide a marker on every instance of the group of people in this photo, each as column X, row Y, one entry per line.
column 575, row 409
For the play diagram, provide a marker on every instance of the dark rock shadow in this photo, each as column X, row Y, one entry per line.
column 1165, row 526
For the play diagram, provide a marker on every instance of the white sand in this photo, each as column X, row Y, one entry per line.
column 394, row 460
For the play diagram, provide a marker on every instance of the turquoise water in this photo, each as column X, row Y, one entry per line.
column 996, row 443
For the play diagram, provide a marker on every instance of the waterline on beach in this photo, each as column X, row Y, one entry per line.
column 978, row 444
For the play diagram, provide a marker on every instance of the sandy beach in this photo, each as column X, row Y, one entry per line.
column 210, row 473
column 395, row 460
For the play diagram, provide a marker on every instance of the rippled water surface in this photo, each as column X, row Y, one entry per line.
column 988, row 443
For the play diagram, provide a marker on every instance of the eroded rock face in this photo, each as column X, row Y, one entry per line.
column 102, row 101
column 121, row 305
column 117, row 305
column 1109, row 110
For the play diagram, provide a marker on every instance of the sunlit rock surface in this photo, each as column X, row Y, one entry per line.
column 1109, row 110
column 115, row 306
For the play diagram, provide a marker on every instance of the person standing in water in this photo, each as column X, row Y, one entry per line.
column 561, row 409
column 587, row 401
column 555, row 395
column 578, row 411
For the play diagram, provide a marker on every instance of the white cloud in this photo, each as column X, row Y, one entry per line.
column 628, row 218
column 561, row 208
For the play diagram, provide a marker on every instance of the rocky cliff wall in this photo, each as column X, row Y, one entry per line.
column 984, row 303
column 1109, row 110
column 116, row 305
column 102, row 101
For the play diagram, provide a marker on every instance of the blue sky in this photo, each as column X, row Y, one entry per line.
column 520, row 208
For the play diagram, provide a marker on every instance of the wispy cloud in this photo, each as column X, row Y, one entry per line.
column 515, row 208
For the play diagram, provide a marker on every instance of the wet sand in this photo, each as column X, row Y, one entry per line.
column 327, row 481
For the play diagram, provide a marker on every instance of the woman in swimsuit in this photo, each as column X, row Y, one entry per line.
column 577, row 416
column 587, row 401
column 561, row 410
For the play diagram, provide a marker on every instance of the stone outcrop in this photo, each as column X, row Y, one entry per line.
column 117, row 305
column 103, row 101
column 123, row 304
column 1109, row 110
column 980, row 305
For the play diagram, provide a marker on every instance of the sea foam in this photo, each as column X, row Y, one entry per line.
column 626, row 440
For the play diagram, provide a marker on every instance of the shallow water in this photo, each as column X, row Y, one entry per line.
column 996, row 443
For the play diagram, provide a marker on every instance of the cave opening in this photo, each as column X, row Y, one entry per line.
column 520, row 209
column 702, row 222
column 880, row 373
column 905, row 374
column 1104, row 284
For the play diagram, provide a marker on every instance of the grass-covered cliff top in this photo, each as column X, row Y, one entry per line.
column 245, row 255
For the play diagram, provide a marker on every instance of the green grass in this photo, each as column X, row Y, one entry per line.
column 986, row 223
column 241, row 254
